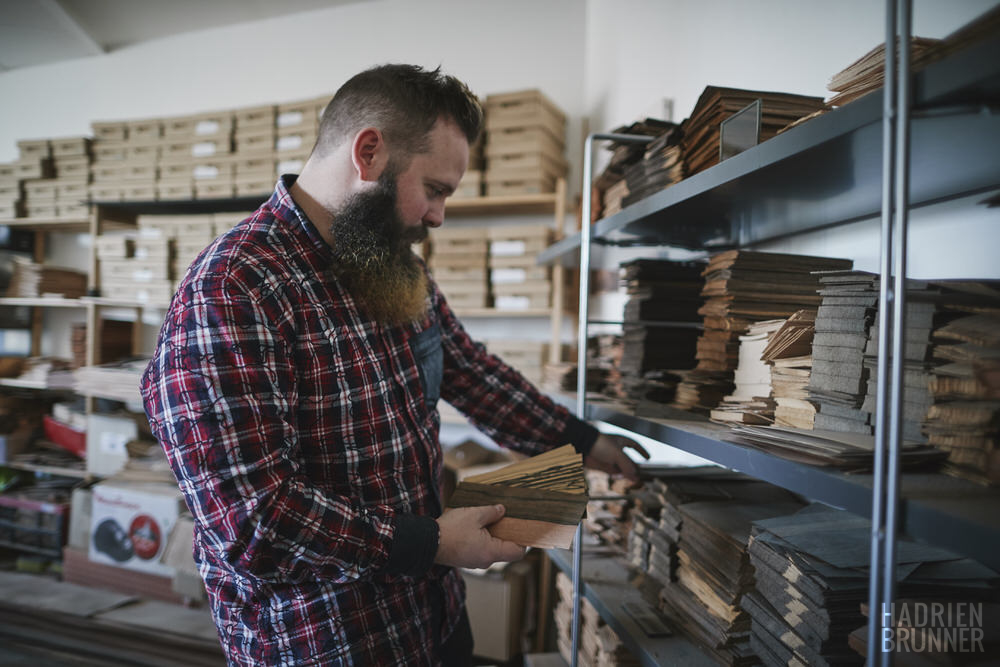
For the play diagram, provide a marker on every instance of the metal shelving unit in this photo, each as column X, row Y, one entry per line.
column 929, row 138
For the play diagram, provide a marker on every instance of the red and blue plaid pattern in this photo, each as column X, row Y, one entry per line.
column 298, row 432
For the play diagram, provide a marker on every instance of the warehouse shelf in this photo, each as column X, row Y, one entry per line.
column 503, row 314
column 512, row 204
column 43, row 302
column 605, row 581
column 123, row 303
column 827, row 171
column 943, row 510
column 74, row 224
column 182, row 207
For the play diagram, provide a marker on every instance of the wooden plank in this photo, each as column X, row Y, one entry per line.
column 523, row 503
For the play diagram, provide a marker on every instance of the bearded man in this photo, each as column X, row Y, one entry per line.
column 294, row 389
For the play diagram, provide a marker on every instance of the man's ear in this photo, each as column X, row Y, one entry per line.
column 369, row 154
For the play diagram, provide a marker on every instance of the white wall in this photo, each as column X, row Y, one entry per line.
column 643, row 51
column 490, row 45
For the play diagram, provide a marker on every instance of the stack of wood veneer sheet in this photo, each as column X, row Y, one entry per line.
column 964, row 419
column 599, row 645
column 630, row 159
column 713, row 571
column 702, row 129
column 838, row 380
column 789, row 353
column 742, row 287
column 33, row 280
column 545, row 497
column 811, row 579
column 525, row 142
column 661, row 325
column 867, row 73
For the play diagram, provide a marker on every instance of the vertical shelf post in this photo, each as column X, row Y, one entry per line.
column 583, row 316
column 892, row 307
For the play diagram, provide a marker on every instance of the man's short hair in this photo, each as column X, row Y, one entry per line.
column 403, row 102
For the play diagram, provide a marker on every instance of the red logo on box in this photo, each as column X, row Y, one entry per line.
column 145, row 535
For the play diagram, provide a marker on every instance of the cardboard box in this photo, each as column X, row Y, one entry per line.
column 33, row 168
column 255, row 117
column 71, row 191
column 109, row 131
column 207, row 147
column 214, row 189
column 130, row 524
column 147, row 248
column 106, row 439
column 510, row 188
column 255, row 140
column 143, row 154
column 144, row 131
column 79, row 519
column 178, row 555
column 303, row 114
column 254, row 166
column 106, row 192
column 109, row 151
column 496, row 604
column 70, row 146
column 176, row 190
column 294, row 139
column 520, row 140
column 46, row 210
column 254, row 186
column 109, row 172
column 40, row 189
column 34, row 149
column 132, row 171
column 218, row 125
column 72, row 210
column 139, row 191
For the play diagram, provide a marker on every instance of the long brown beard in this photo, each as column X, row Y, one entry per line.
column 373, row 259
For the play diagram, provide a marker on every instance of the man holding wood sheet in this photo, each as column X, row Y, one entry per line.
column 294, row 389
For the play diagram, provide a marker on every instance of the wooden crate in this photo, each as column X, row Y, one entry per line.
column 519, row 140
column 528, row 108
column 511, row 165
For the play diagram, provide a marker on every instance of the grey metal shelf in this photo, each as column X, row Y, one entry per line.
column 827, row 171
column 949, row 512
column 606, row 585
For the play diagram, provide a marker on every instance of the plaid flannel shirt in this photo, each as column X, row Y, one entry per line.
column 307, row 451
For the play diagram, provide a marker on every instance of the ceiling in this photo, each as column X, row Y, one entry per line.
column 37, row 32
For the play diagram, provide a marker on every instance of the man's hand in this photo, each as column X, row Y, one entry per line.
column 607, row 455
column 465, row 542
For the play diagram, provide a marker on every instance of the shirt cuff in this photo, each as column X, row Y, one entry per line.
column 580, row 434
column 414, row 545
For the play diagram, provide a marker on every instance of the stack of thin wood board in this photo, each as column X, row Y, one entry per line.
column 545, row 497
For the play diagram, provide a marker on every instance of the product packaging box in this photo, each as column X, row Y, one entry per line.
column 130, row 523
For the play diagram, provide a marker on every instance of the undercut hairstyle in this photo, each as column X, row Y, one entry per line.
column 403, row 102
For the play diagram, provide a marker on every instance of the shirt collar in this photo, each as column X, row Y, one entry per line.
column 285, row 208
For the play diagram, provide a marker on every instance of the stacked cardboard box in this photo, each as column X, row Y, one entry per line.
column 518, row 283
column 527, row 357
column 30, row 182
column 253, row 141
column 10, row 191
column 525, row 140
column 297, row 126
column 135, row 267
column 471, row 185
column 459, row 266
column 110, row 151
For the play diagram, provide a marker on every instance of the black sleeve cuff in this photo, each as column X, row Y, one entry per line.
column 414, row 545
column 580, row 434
